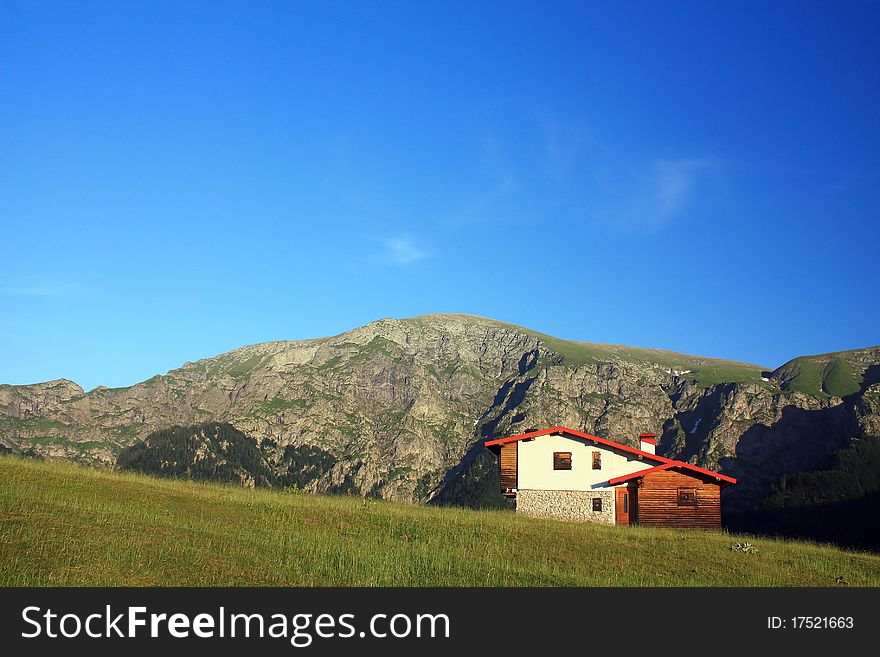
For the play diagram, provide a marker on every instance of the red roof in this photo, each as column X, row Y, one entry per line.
column 640, row 473
column 663, row 463
column 579, row 434
column 667, row 466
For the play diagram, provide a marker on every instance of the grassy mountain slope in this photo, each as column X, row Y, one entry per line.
column 704, row 371
column 61, row 524
column 835, row 374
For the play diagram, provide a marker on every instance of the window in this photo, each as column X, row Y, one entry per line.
column 687, row 497
column 597, row 460
column 626, row 502
column 597, row 504
column 562, row 460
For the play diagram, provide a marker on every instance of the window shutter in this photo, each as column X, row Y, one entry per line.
column 562, row 460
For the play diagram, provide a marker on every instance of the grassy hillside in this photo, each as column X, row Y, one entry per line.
column 704, row 371
column 61, row 524
column 838, row 373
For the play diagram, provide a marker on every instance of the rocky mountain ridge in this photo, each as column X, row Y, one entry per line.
column 401, row 407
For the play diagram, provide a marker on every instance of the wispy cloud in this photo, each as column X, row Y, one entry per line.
column 563, row 149
column 674, row 182
column 488, row 206
column 649, row 197
column 400, row 251
column 495, row 170
column 556, row 171
column 59, row 290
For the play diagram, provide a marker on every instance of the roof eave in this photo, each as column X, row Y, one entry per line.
column 723, row 480
column 578, row 434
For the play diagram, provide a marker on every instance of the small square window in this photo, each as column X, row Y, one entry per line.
column 597, row 460
column 562, row 460
column 597, row 504
column 687, row 497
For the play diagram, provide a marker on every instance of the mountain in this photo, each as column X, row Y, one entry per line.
column 398, row 409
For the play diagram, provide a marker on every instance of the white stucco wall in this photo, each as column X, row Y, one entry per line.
column 535, row 464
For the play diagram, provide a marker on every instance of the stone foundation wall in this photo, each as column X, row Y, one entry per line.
column 566, row 504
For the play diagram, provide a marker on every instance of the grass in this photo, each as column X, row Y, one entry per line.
column 840, row 380
column 61, row 441
column 61, row 524
column 244, row 367
column 804, row 376
column 822, row 375
column 704, row 371
column 30, row 424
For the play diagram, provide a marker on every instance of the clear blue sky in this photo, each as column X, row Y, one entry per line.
column 178, row 179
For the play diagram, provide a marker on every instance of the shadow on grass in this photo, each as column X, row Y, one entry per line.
column 849, row 524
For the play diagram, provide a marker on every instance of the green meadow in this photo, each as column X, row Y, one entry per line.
column 67, row 525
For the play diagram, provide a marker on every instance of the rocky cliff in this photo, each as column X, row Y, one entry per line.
column 399, row 408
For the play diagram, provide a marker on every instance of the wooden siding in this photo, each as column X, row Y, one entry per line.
column 658, row 505
column 623, row 505
column 508, row 466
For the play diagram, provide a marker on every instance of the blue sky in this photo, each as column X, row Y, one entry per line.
column 178, row 179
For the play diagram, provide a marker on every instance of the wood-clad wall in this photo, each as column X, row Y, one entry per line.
column 658, row 501
column 508, row 466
